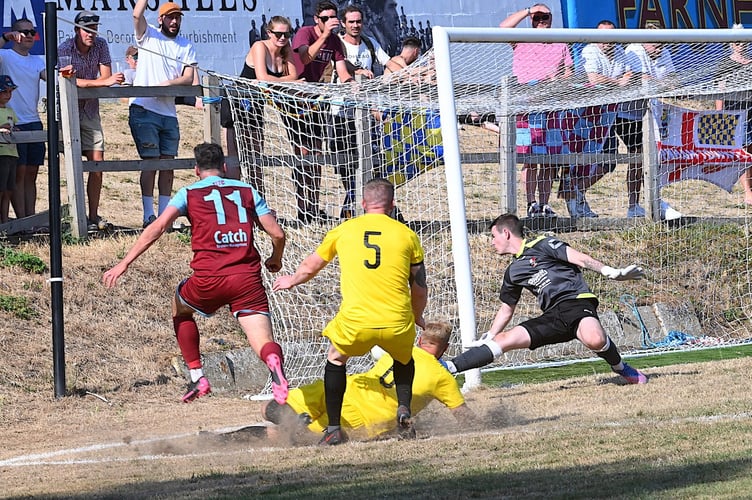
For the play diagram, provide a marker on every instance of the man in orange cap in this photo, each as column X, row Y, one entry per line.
column 166, row 59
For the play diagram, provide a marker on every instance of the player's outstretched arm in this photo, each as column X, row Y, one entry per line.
column 307, row 269
column 151, row 234
column 631, row 272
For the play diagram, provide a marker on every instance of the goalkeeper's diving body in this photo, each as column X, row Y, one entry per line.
column 552, row 271
column 370, row 401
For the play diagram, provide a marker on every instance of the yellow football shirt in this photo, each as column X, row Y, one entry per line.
column 370, row 402
column 375, row 254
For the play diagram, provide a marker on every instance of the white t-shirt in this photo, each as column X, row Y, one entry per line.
column 641, row 63
column 162, row 59
column 25, row 71
column 595, row 61
column 360, row 56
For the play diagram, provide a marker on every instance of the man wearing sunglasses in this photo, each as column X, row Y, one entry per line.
column 316, row 47
column 26, row 71
column 92, row 65
column 534, row 63
column 164, row 59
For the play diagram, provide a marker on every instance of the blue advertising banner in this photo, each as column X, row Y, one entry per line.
column 679, row 14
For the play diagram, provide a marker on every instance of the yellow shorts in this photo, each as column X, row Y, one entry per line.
column 357, row 341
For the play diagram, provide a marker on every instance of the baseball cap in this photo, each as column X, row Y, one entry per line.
column 6, row 83
column 86, row 18
column 169, row 8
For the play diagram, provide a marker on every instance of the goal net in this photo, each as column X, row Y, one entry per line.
column 456, row 130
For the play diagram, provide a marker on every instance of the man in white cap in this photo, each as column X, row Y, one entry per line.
column 164, row 58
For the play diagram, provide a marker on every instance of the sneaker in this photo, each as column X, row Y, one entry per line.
column 97, row 224
column 405, row 429
column 148, row 221
column 668, row 213
column 533, row 209
column 547, row 211
column 635, row 211
column 333, row 438
column 279, row 382
column 197, row 389
column 632, row 375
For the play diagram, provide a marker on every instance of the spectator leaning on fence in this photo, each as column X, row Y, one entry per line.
column 165, row 59
column 604, row 64
column 652, row 61
column 534, row 63
column 364, row 59
column 316, row 47
column 408, row 55
column 26, row 71
column 268, row 60
column 92, row 66
column 8, row 152
column 738, row 63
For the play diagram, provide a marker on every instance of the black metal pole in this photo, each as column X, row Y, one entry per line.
column 56, row 250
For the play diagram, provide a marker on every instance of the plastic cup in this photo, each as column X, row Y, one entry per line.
column 64, row 61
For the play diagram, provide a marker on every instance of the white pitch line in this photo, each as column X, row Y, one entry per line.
column 41, row 458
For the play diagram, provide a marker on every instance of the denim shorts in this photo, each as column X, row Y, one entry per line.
column 31, row 153
column 155, row 135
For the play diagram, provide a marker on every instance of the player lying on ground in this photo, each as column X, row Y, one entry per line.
column 551, row 270
column 226, row 264
column 371, row 400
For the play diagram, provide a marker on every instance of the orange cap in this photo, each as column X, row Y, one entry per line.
column 169, row 8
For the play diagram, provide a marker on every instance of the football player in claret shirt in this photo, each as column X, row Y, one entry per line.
column 226, row 265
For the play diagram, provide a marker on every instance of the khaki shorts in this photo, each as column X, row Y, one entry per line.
column 92, row 137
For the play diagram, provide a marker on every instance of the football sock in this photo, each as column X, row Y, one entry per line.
column 473, row 358
column 196, row 373
column 163, row 202
column 186, row 332
column 403, row 382
column 611, row 355
column 271, row 348
column 148, row 203
column 335, row 383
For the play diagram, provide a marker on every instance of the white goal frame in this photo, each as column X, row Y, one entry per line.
column 443, row 37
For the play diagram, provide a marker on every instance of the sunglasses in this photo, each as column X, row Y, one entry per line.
column 28, row 32
column 541, row 17
column 324, row 19
column 88, row 19
column 280, row 34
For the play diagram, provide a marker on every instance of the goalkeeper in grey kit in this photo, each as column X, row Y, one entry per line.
column 552, row 271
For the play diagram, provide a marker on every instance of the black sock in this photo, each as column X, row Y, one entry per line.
column 335, row 383
column 473, row 358
column 403, row 382
column 611, row 354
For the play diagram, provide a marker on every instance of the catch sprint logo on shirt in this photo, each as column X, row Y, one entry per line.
column 237, row 238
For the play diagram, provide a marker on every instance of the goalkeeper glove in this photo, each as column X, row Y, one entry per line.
column 481, row 340
column 632, row 272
